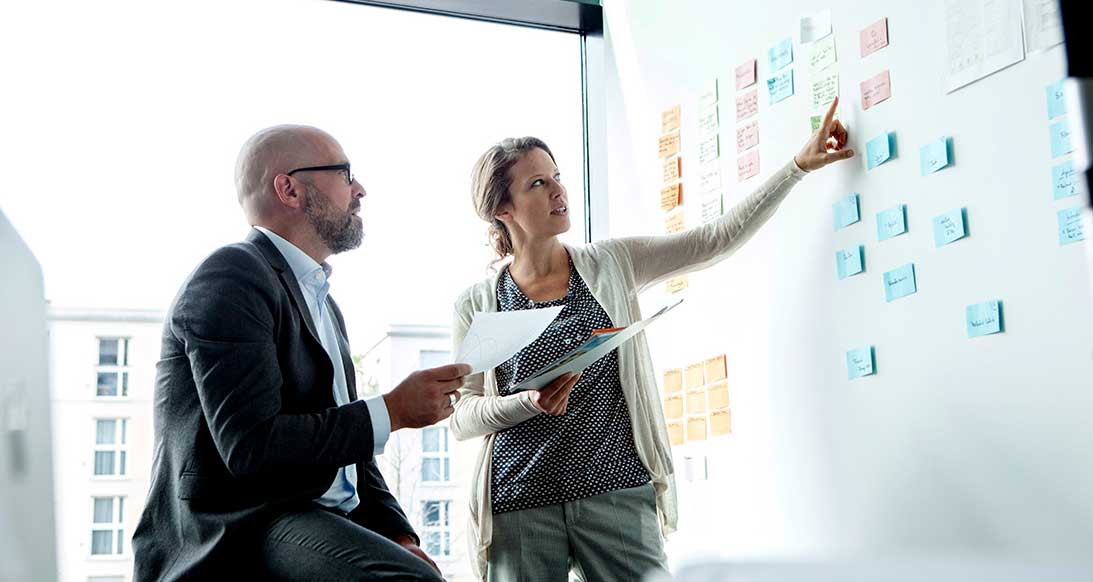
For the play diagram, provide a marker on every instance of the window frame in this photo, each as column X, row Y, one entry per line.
column 443, row 455
column 120, row 449
column 443, row 527
column 116, row 527
column 120, row 368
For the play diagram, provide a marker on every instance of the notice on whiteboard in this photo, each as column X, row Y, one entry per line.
column 982, row 37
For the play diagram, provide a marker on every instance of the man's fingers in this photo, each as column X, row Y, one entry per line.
column 839, row 155
column 838, row 131
column 825, row 127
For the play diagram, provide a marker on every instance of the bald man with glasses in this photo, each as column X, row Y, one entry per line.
column 264, row 457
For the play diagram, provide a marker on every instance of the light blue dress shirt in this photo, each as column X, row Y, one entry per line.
column 314, row 283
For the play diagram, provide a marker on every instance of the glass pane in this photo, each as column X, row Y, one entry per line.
column 430, row 440
column 121, row 509
column 431, row 513
column 101, row 542
column 108, row 352
column 105, row 432
column 430, row 469
column 104, row 464
column 108, row 384
column 121, row 464
column 447, row 549
column 125, row 352
column 432, row 543
column 125, row 383
column 447, row 470
column 104, row 510
column 124, row 426
column 121, row 541
column 447, row 509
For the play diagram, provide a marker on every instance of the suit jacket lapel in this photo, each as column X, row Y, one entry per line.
column 288, row 278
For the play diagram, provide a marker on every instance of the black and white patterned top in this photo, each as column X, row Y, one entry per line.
column 587, row 451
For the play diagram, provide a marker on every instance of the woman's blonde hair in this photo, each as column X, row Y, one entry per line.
column 490, row 184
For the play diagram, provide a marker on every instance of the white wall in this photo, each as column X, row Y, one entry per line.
column 956, row 444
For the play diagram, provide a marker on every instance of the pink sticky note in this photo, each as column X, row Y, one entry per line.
column 747, row 136
column 874, row 37
column 875, row 90
column 747, row 105
column 747, row 165
column 745, row 75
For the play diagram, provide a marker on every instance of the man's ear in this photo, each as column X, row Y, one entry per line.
column 287, row 192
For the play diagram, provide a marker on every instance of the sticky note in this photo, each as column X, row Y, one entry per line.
column 825, row 90
column 745, row 74
column 950, row 227
column 1063, row 180
column 718, row 395
column 780, row 55
column 822, row 55
column 984, row 318
column 709, row 178
column 675, row 433
column 934, row 155
column 673, row 380
column 860, row 362
column 849, row 261
column 747, row 105
column 1060, row 139
column 715, row 369
column 673, row 223
column 875, row 90
column 721, row 422
column 709, row 120
column 707, row 96
column 673, row 169
column 669, row 119
column 846, row 211
column 694, row 375
column 696, row 401
column 671, row 196
column 696, row 428
column 747, row 165
column 816, row 26
column 900, row 282
column 874, row 37
column 709, row 149
column 780, row 87
column 673, row 407
column 1056, row 100
column 711, row 203
column 668, row 145
column 676, row 284
column 815, row 121
column 747, row 136
column 880, row 149
column 891, row 222
column 1071, row 229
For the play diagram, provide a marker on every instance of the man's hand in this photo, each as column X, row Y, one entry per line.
column 826, row 145
column 425, row 397
column 408, row 543
column 555, row 398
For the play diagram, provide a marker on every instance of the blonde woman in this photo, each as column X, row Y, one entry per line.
column 579, row 475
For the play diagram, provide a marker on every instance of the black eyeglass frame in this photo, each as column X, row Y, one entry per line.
column 335, row 167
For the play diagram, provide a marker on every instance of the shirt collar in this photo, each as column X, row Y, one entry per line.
column 307, row 271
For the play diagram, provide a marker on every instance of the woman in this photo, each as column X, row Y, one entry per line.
column 579, row 474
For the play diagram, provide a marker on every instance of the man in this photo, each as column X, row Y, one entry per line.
column 263, row 463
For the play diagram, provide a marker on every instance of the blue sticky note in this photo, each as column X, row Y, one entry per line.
column 780, row 86
column 1070, row 226
column 891, row 222
column 1060, row 139
column 880, row 149
column 781, row 54
column 951, row 226
column 846, row 212
column 934, row 156
column 900, row 282
column 1056, row 101
column 1062, row 178
column 860, row 362
column 849, row 261
column 984, row 318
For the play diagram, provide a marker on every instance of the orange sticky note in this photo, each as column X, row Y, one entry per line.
column 694, row 376
column 875, row 90
column 673, row 223
column 673, row 407
column 675, row 433
column 669, row 119
column 673, row 169
column 673, row 381
column 671, row 196
column 715, row 369
column 677, row 284
column 747, row 105
column 696, row 428
column 696, row 401
column 718, row 396
column 720, row 422
column 668, row 144
column 747, row 165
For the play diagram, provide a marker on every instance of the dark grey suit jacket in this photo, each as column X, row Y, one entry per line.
column 245, row 420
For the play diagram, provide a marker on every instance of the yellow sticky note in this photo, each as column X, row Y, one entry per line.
column 673, row 407
column 715, row 369
column 693, row 377
column 673, row 169
column 677, row 284
column 673, row 381
column 720, row 422
column 719, row 395
column 673, row 223
column 669, row 119
column 696, row 428
column 675, row 432
column 696, row 401
column 668, row 144
column 671, row 196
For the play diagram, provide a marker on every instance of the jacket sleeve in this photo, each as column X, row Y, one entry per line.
column 379, row 511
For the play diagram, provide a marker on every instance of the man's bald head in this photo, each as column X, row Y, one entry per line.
column 272, row 151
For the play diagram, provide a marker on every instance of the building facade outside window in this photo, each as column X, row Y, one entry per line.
column 107, row 532
column 111, row 436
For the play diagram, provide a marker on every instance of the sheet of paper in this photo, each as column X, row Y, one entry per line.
column 696, row 401
column 746, row 74
column 780, row 87
column 495, row 337
column 982, row 37
column 720, row 422
column 673, row 222
column 709, row 120
column 780, row 55
column 1064, row 180
column 696, row 428
column 815, row 27
column 822, row 55
column 709, row 149
column 673, row 169
column 675, row 433
column 984, row 318
column 747, row 136
column 747, row 105
column 673, row 380
column 668, row 145
column 676, row 284
column 708, row 96
column 596, row 347
column 715, row 369
column 709, row 178
column 951, row 226
column 669, row 119
column 711, row 205
column 874, row 37
column 880, row 149
column 673, row 407
column 1060, row 138
column 900, row 282
column 849, row 261
column 860, row 362
column 1056, row 99
column 846, row 211
column 891, row 222
column 718, row 395
column 934, row 155
column 876, row 89
column 1071, row 229
column 747, row 165
column 1043, row 25
column 671, row 196
column 825, row 90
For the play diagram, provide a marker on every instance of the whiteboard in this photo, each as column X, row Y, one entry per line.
column 955, row 444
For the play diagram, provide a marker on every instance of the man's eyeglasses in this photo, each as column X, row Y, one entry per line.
column 343, row 168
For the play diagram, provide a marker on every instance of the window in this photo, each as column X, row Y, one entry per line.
column 436, row 533
column 110, row 446
column 107, row 532
column 434, row 358
column 113, row 368
column 435, row 463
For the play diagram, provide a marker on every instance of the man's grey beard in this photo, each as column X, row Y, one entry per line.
column 338, row 231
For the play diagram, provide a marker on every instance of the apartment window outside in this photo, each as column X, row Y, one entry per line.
column 107, row 532
column 111, row 441
column 113, row 369
column 435, row 460
column 436, row 528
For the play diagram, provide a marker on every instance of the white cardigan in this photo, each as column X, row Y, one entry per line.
column 616, row 271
